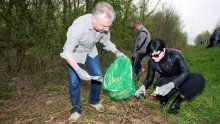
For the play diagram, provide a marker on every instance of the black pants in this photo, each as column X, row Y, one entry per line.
column 136, row 62
column 193, row 85
column 211, row 43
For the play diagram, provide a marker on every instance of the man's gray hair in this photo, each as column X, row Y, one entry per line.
column 104, row 8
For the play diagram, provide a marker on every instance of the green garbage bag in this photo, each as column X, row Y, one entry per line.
column 118, row 79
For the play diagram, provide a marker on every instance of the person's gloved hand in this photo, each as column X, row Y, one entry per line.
column 82, row 74
column 165, row 89
column 140, row 91
column 118, row 53
column 97, row 78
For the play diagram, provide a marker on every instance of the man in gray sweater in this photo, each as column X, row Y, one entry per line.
column 142, row 40
column 80, row 48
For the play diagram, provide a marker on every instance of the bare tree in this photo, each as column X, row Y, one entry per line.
column 144, row 11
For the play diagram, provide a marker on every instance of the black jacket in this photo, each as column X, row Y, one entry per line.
column 171, row 65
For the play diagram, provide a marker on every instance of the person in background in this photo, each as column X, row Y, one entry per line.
column 142, row 40
column 175, row 76
column 80, row 48
column 213, row 39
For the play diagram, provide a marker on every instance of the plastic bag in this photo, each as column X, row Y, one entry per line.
column 118, row 79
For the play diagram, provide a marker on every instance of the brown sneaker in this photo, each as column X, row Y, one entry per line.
column 99, row 107
column 74, row 117
column 141, row 71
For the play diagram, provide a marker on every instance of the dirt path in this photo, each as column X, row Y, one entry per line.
column 49, row 103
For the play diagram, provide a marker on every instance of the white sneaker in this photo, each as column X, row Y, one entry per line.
column 99, row 107
column 74, row 117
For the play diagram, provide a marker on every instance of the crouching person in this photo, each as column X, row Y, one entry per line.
column 174, row 76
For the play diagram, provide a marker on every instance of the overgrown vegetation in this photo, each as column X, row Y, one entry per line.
column 37, row 99
column 33, row 32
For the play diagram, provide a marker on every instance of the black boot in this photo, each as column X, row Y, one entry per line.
column 175, row 105
column 163, row 101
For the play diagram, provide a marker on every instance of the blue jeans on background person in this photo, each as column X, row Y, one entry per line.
column 136, row 63
column 94, row 68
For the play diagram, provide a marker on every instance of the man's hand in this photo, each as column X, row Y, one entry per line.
column 118, row 53
column 140, row 91
column 165, row 89
column 82, row 74
column 97, row 78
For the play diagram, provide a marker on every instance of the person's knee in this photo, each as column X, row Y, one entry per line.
column 97, row 73
column 198, row 77
column 73, row 79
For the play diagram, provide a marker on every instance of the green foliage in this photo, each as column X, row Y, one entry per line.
column 6, row 89
column 39, row 85
column 204, row 36
column 166, row 24
column 35, row 31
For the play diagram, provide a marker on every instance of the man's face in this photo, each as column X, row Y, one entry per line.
column 137, row 27
column 101, row 23
column 157, row 55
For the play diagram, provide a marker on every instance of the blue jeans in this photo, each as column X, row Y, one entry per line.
column 94, row 68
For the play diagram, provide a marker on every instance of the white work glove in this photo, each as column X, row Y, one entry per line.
column 140, row 91
column 165, row 89
column 98, row 78
column 118, row 53
column 83, row 75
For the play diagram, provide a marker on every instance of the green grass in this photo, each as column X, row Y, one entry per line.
column 205, row 108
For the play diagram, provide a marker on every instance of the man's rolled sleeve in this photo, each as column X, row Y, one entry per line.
column 66, row 55
column 73, row 35
column 108, row 45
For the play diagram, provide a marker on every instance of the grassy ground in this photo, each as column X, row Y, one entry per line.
column 206, row 107
column 44, row 98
